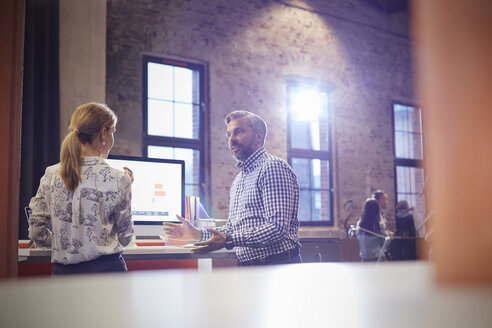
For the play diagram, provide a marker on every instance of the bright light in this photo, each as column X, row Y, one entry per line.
column 306, row 105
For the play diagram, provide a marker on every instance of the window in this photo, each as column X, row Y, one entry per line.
column 309, row 150
column 409, row 156
column 173, row 116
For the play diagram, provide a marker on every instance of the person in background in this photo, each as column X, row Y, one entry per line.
column 370, row 232
column 382, row 199
column 264, row 198
column 420, row 229
column 405, row 227
column 87, row 202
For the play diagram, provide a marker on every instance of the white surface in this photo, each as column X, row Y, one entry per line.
column 304, row 295
column 132, row 250
column 192, row 245
column 155, row 250
column 34, row 251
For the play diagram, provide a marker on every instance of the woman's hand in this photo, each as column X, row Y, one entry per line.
column 129, row 172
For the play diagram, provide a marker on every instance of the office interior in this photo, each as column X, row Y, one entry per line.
column 373, row 66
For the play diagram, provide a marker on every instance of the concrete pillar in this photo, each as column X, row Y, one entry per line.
column 454, row 51
column 82, row 56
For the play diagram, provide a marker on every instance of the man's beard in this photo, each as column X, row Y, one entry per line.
column 244, row 151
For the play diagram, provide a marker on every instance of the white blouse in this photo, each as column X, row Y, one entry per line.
column 94, row 220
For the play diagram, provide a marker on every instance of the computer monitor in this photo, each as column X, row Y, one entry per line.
column 157, row 191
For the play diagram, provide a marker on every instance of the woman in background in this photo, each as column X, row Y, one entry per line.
column 87, row 202
column 370, row 232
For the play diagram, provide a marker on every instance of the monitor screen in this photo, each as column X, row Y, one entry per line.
column 157, row 189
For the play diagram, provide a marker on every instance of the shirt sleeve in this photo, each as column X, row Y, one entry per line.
column 227, row 229
column 40, row 216
column 123, row 212
column 280, row 196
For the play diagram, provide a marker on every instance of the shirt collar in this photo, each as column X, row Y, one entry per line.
column 249, row 163
column 91, row 160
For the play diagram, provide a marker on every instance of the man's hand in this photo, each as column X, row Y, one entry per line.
column 217, row 241
column 185, row 231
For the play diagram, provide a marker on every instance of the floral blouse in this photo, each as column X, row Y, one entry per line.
column 94, row 220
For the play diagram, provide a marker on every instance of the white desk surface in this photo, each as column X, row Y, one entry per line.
column 133, row 253
column 301, row 295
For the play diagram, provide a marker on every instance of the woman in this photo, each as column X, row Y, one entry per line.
column 370, row 232
column 87, row 202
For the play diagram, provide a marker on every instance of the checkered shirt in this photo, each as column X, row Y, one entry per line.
column 264, row 200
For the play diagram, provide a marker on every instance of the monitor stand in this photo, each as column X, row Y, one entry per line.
column 148, row 231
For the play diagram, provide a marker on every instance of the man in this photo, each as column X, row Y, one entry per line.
column 264, row 199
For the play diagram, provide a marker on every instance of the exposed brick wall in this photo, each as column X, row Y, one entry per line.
column 250, row 47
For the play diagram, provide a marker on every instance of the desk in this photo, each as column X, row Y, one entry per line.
column 134, row 253
column 38, row 255
column 301, row 295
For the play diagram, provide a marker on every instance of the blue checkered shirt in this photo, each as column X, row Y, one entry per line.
column 264, row 199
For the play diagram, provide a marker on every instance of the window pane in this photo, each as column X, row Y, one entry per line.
column 173, row 101
column 314, row 183
column 400, row 118
column 186, row 121
column 191, row 157
column 305, row 103
column 312, row 173
column 316, row 205
column 183, row 85
column 414, row 121
column 320, row 202
column 193, row 190
column 417, row 146
column 324, row 135
column 410, row 184
column 192, row 163
column 300, row 134
column 304, row 213
column 315, row 142
column 403, row 145
column 315, row 173
column 160, row 81
column 301, row 167
column 160, row 152
column 160, row 118
column 308, row 118
column 309, row 135
column 408, row 132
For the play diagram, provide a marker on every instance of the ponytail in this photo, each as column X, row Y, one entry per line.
column 70, row 158
column 87, row 120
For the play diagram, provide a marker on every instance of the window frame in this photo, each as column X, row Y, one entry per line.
column 309, row 153
column 408, row 162
column 163, row 141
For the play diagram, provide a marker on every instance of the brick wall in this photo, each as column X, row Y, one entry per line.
column 250, row 47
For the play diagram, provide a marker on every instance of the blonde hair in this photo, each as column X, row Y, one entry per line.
column 87, row 121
